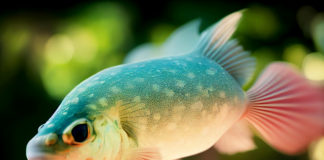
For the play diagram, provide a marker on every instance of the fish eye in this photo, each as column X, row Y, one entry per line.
column 78, row 132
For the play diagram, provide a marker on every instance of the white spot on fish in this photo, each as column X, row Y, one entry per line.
column 141, row 65
column 156, row 116
column 189, row 59
column 155, row 87
column 236, row 100
column 203, row 113
column 129, row 85
column 50, row 125
column 93, row 107
column 177, row 62
column 215, row 108
column 114, row 89
column 225, row 105
column 172, row 71
column 211, row 71
column 115, row 72
column 103, row 102
column 64, row 113
column 102, row 82
column 169, row 92
column 142, row 122
column 177, row 117
column 89, row 84
column 210, row 116
column 75, row 100
column 91, row 95
column 222, row 94
column 139, row 79
column 147, row 112
column 171, row 126
column 81, row 90
column 199, row 87
column 153, row 127
column 66, row 102
column 197, row 106
column 205, row 93
column 180, row 83
column 178, row 109
column 191, row 75
column 137, row 99
column 210, row 88
column 187, row 94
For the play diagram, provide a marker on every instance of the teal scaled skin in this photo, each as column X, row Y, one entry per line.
column 153, row 91
column 177, row 79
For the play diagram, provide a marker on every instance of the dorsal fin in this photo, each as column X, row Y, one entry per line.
column 180, row 42
column 183, row 40
column 214, row 43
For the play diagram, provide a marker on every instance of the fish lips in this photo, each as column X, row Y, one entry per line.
column 37, row 149
column 47, row 157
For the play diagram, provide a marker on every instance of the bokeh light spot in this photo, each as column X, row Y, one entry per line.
column 317, row 150
column 313, row 66
column 84, row 43
column 58, row 80
column 59, row 49
column 295, row 54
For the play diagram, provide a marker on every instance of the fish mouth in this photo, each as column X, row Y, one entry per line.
column 38, row 150
column 47, row 157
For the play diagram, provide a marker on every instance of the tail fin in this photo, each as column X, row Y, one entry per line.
column 286, row 109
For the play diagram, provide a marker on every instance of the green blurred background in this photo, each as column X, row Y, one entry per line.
column 47, row 48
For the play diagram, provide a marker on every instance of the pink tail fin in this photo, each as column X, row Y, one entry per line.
column 286, row 109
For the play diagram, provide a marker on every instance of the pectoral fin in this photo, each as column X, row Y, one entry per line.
column 145, row 154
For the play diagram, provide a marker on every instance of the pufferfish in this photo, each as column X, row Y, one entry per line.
column 177, row 106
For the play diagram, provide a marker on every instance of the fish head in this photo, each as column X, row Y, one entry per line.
column 80, row 135
column 56, row 142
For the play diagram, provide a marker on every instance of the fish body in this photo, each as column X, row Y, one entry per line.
column 171, row 98
column 173, row 107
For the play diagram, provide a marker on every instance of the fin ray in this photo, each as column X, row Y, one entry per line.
column 286, row 109
column 128, row 113
column 214, row 44
column 145, row 154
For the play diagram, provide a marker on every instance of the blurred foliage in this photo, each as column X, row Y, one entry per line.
column 83, row 42
column 45, row 53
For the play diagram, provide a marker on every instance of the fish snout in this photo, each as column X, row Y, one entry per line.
column 41, row 147
column 47, row 157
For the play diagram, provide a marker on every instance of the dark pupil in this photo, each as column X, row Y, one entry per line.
column 80, row 132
